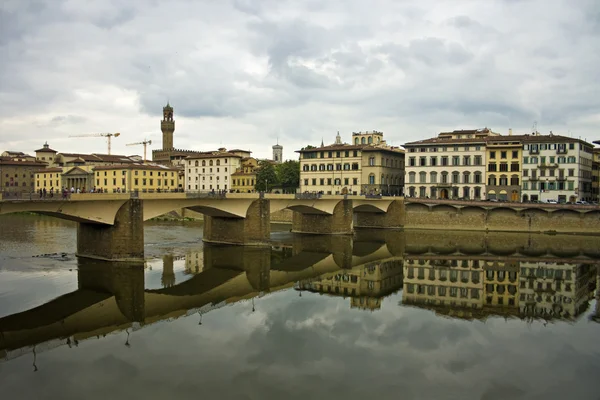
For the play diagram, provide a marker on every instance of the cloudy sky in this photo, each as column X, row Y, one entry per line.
column 246, row 73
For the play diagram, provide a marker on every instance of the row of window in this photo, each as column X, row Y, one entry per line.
column 135, row 172
column 443, row 291
column 444, row 148
column 209, row 187
column 210, row 163
column 546, row 186
column 503, row 167
column 444, row 161
column 444, row 177
column 330, row 154
column 444, row 193
column 210, row 170
column 551, row 173
column 211, row 178
column 551, row 160
column 244, row 182
column 145, row 182
column 17, row 175
column 329, row 167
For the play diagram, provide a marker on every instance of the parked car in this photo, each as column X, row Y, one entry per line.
column 581, row 202
column 551, row 201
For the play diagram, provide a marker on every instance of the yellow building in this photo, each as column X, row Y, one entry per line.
column 501, row 283
column 503, row 171
column 79, row 177
column 136, row 177
column 369, row 167
column 243, row 180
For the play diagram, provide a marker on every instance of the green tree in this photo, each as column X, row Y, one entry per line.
column 288, row 175
column 265, row 176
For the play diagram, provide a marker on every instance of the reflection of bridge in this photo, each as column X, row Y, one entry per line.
column 112, row 296
column 111, row 225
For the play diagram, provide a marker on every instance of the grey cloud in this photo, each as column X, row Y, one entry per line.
column 67, row 119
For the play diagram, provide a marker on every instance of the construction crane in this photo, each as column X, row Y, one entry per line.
column 145, row 142
column 107, row 135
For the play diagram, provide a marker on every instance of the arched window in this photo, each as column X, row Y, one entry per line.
column 196, row 163
column 514, row 179
column 210, row 162
column 503, row 180
column 204, row 163
column 466, row 177
column 444, row 177
column 370, row 139
column 329, row 167
column 356, row 141
column 492, row 180
column 382, row 181
column 218, row 162
column 411, row 177
column 371, row 179
column 362, row 140
column 455, row 177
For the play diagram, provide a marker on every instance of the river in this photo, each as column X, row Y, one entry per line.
column 383, row 314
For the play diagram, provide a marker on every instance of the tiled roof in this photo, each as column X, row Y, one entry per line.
column 10, row 161
column 215, row 154
column 54, row 169
column 45, row 150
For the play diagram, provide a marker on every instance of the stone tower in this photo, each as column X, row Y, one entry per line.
column 167, row 126
column 278, row 153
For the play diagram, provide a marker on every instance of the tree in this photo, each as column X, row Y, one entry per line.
column 265, row 176
column 288, row 175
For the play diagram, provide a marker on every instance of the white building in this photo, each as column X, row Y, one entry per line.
column 210, row 171
column 449, row 166
column 556, row 168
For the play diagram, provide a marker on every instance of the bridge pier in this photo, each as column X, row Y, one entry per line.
column 123, row 241
column 394, row 218
column 340, row 222
column 254, row 230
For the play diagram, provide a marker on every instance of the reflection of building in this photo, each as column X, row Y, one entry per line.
column 501, row 282
column 454, row 287
column 244, row 177
column 369, row 165
column 194, row 261
column 555, row 290
column 366, row 285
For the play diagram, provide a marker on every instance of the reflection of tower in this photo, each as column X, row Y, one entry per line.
column 167, row 126
column 277, row 153
column 168, row 276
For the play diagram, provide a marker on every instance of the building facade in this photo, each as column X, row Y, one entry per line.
column 556, row 168
column 211, row 171
column 46, row 154
column 449, row 166
column 136, row 177
column 503, row 176
column 243, row 180
column 341, row 168
column 596, row 175
column 17, row 175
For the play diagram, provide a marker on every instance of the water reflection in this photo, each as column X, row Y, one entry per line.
column 467, row 276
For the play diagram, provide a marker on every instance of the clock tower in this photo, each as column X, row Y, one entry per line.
column 167, row 126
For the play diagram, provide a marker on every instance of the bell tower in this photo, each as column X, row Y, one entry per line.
column 167, row 126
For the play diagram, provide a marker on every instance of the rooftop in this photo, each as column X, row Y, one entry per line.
column 153, row 167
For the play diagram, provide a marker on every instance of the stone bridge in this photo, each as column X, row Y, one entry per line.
column 111, row 225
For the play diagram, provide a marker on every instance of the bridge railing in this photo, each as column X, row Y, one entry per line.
column 308, row 196
column 206, row 195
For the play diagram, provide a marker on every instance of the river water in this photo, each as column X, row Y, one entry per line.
column 411, row 315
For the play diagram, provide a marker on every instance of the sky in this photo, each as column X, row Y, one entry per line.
column 251, row 73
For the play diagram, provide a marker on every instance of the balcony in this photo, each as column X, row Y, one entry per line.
column 534, row 151
column 548, row 165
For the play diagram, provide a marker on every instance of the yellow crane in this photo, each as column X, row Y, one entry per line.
column 145, row 143
column 107, row 135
